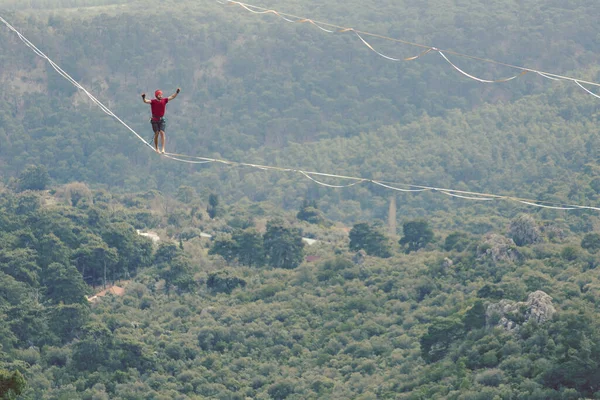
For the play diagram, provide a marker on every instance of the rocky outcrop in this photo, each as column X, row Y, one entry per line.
column 511, row 315
column 523, row 230
column 498, row 248
column 359, row 257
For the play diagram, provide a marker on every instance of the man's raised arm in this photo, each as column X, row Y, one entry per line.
column 171, row 97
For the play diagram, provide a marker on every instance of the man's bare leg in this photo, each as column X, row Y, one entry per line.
column 156, row 141
column 162, row 140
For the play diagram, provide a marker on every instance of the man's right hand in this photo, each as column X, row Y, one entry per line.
column 143, row 95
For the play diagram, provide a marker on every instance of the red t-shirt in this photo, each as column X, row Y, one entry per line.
column 158, row 108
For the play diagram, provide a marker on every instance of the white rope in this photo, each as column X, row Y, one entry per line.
column 592, row 93
column 185, row 161
column 398, row 189
column 587, row 208
column 376, row 52
column 315, row 24
column 474, row 77
column 544, row 206
column 429, row 48
column 328, row 185
column 203, row 160
column 467, row 197
column 547, row 76
column 73, row 81
column 251, row 10
column 258, row 167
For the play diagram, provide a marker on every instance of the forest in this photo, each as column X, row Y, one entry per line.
column 262, row 283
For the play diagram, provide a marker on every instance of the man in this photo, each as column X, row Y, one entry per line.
column 158, row 107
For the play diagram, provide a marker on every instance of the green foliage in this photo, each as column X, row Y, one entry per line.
column 337, row 267
column 214, row 208
column 186, row 194
column 11, row 384
column 174, row 267
column 28, row 203
column 67, row 320
column 224, row 247
column 591, row 242
column 249, row 247
column 490, row 291
column 309, row 212
column 283, row 246
column 95, row 260
column 440, row 335
column 222, row 282
column 34, row 177
column 64, row 285
column 287, row 95
column 369, row 238
column 417, row 234
column 457, row 241
column 475, row 316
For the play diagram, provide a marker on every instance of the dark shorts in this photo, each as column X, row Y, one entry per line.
column 159, row 125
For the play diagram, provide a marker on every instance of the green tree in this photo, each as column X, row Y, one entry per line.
column 94, row 348
column 11, row 384
column 34, row 177
column 64, row 284
column 95, row 260
column 29, row 323
column 174, row 267
column 186, row 194
column 214, row 207
column 131, row 353
column 283, row 245
column 591, row 242
column 440, row 335
column 369, row 238
column 134, row 251
column 12, row 291
column 21, row 264
column 309, row 212
column 576, row 354
column 417, row 234
column 28, row 203
column 67, row 320
column 223, row 282
column 490, row 291
column 456, row 241
column 166, row 253
column 225, row 247
column 52, row 250
column 281, row 390
column 475, row 316
column 249, row 247
column 178, row 273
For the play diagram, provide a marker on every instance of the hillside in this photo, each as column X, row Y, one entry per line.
column 441, row 315
column 261, row 283
column 256, row 87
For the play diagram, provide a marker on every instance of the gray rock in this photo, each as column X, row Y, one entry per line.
column 359, row 257
column 511, row 315
column 498, row 248
column 524, row 230
column 447, row 263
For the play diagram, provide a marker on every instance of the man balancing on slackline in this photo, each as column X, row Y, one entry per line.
column 158, row 107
